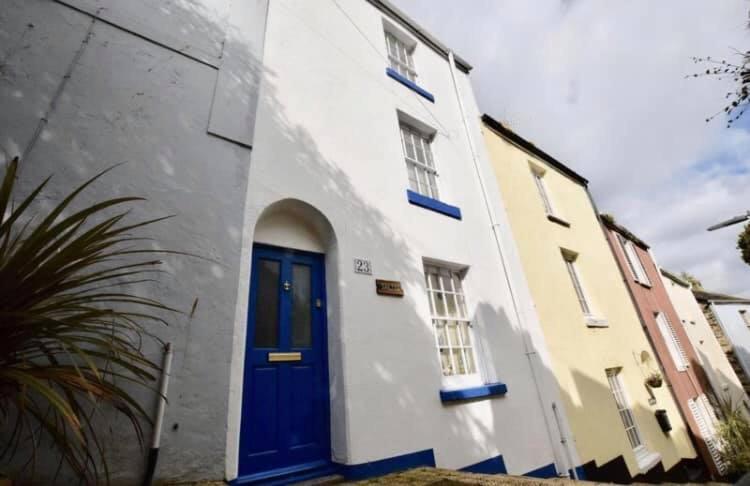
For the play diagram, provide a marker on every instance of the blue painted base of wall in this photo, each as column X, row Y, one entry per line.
column 433, row 204
column 548, row 471
column 493, row 465
column 425, row 458
column 409, row 84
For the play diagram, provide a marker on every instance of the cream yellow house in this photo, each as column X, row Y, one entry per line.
column 601, row 356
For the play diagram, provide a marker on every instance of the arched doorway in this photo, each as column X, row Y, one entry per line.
column 285, row 424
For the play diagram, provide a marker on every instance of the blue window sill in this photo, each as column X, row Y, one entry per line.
column 433, row 204
column 409, row 84
column 488, row 390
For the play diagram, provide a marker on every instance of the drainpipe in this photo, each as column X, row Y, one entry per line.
column 529, row 350
column 153, row 453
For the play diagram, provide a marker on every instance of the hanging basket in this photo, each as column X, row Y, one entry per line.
column 655, row 380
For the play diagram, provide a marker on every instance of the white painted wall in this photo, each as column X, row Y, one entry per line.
column 137, row 84
column 711, row 357
column 327, row 134
column 736, row 330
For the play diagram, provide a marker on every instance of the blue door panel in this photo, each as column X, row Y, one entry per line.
column 263, row 425
column 285, row 406
column 303, row 412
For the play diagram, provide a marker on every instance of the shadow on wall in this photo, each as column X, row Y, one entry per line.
column 729, row 391
column 134, row 102
column 595, row 399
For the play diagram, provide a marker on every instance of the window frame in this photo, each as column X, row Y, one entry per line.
column 637, row 269
column 406, row 68
column 625, row 410
column 583, row 299
column 462, row 317
column 429, row 172
column 672, row 340
column 538, row 174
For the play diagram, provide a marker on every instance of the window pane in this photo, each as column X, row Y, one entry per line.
column 402, row 52
column 452, row 333
column 470, row 367
column 420, row 150
column 445, row 362
column 439, row 304
column 408, row 144
column 433, row 284
column 391, row 45
column 267, row 304
column 433, row 185
column 458, row 359
column 464, row 329
column 413, row 184
column 440, row 330
column 462, row 307
column 451, row 307
column 422, row 181
column 301, row 306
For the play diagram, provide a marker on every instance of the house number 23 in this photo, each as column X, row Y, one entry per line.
column 362, row 266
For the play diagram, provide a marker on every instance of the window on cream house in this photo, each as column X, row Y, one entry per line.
column 401, row 56
column 575, row 279
column 419, row 161
column 451, row 324
column 538, row 175
column 634, row 262
column 643, row 456
column 623, row 407
column 673, row 342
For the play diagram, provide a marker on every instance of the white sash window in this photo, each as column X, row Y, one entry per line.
column 400, row 57
column 540, row 186
column 577, row 285
column 450, row 321
column 419, row 161
column 645, row 458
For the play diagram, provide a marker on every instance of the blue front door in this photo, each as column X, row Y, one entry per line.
column 285, row 408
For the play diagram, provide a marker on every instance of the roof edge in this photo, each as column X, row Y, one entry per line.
column 674, row 278
column 609, row 222
column 717, row 298
column 388, row 8
column 512, row 136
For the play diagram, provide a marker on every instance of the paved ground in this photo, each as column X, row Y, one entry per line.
column 443, row 477
column 428, row 476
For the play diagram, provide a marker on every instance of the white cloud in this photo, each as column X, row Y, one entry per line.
column 602, row 86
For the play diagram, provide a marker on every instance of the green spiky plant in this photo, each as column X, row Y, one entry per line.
column 71, row 328
column 734, row 438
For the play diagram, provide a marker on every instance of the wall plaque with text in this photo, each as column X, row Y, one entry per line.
column 389, row 287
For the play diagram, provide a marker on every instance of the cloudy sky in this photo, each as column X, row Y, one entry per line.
column 601, row 85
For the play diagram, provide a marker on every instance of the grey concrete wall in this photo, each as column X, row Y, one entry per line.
column 88, row 84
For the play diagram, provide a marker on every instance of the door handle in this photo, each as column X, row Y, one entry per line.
column 284, row 357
